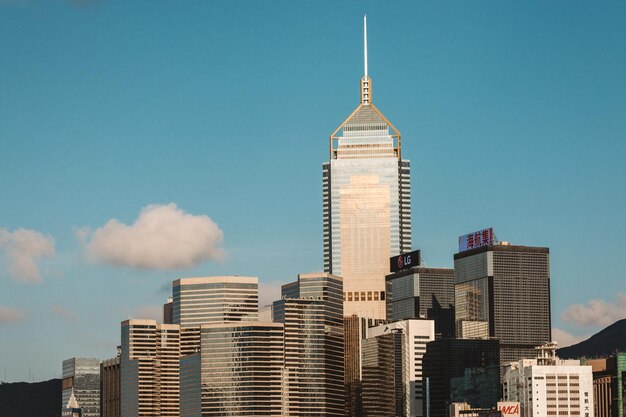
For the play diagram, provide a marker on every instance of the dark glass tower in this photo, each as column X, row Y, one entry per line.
column 462, row 370
column 503, row 291
column 422, row 292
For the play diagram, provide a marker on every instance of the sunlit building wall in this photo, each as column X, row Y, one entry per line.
column 219, row 299
column 313, row 382
column 149, row 369
column 237, row 371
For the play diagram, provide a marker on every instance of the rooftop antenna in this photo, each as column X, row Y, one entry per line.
column 365, row 81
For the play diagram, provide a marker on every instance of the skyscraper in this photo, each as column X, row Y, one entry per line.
column 462, row 370
column 149, row 369
column 422, row 292
column 366, row 204
column 81, row 377
column 392, row 382
column 237, row 371
column 206, row 300
column 312, row 314
column 503, row 291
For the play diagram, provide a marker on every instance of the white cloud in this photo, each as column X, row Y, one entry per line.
column 10, row 315
column 63, row 312
column 162, row 237
column 564, row 338
column 596, row 313
column 23, row 249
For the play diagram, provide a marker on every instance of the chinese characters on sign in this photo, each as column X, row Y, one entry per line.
column 483, row 237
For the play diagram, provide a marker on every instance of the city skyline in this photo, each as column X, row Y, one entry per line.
column 510, row 116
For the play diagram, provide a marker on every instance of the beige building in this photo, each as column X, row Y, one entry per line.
column 216, row 299
column 149, row 369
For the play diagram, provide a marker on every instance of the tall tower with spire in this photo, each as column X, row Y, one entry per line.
column 366, row 203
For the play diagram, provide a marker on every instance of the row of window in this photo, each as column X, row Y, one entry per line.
column 364, row 296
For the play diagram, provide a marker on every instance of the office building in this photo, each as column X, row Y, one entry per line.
column 220, row 299
column 110, row 387
column 237, row 371
column 313, row 382
column 81, row 378
column 392, row 373
column 383, row 384
column 149, row 369
column 503, row 291
column 422, row 292
column 366, row 204
column 462, row 371
column 549, row 386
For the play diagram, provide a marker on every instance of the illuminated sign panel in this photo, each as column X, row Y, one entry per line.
column 474, row 240
column 404, row 261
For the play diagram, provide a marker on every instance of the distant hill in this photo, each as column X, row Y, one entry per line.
column 605, row 342
column 38, row 399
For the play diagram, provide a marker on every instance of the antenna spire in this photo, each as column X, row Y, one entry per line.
column 365, row 81
column 365, row 43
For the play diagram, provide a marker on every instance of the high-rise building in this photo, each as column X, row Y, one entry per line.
column 312, row 314
column 392, row 373
column 81, row 377
column 609, row 385
column 383, row 384
column 464, row 371
column 549, row 386
column 149, row 369
column 503, row 291
column 423, row 292
column 110, row 387
column 207, row 300
column 366, row 204
column 237, row 371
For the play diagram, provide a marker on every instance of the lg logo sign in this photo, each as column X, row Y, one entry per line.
column 404, row 261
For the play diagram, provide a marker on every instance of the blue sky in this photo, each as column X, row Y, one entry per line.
column 513, row 116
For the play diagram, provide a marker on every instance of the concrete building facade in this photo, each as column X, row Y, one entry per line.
column 549, row 386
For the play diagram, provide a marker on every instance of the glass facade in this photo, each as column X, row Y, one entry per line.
column 503, row 291
column 383, row 378
column 313, row 382
column 238, row 371
column 406, row 367
column 366, row 202
column 423, row 293
column 462, row 370
column 82, row 376
column 206, row 300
